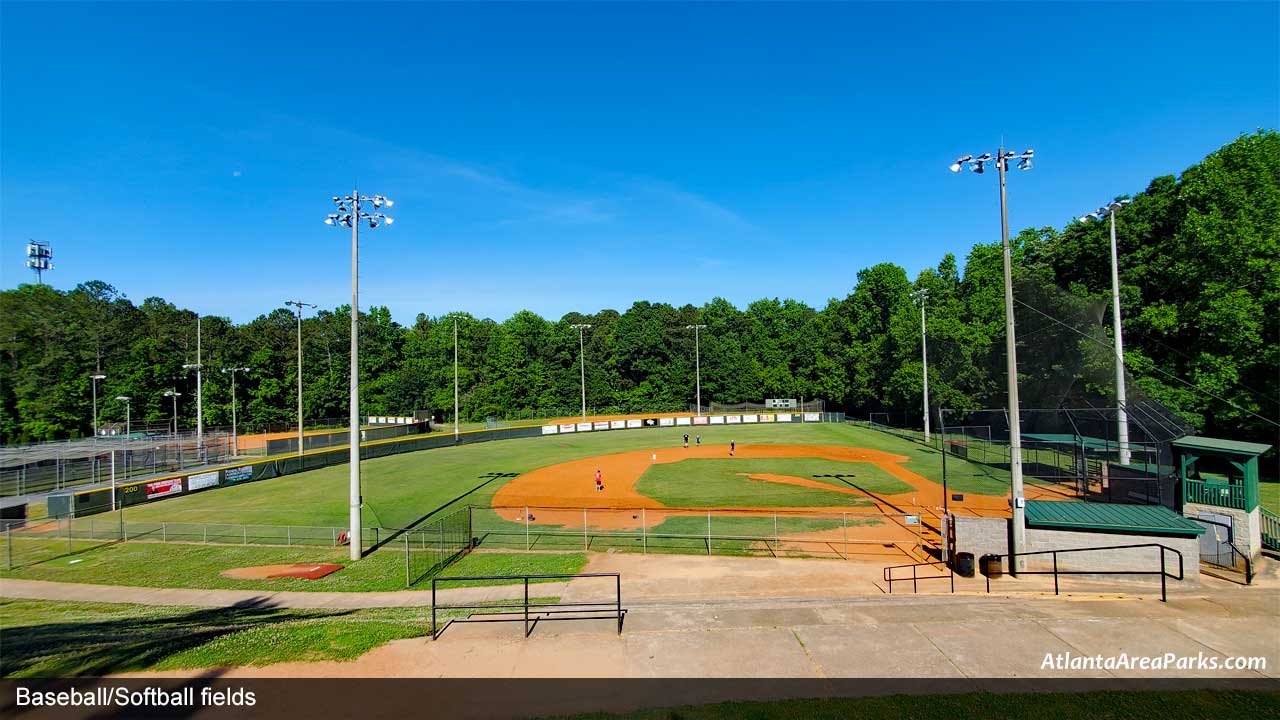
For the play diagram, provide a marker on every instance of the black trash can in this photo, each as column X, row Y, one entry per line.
column 990, row 566
column 964, row 564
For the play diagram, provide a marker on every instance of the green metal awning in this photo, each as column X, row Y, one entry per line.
column 1091, row 443
column 1146, row 519
column 1236, row 447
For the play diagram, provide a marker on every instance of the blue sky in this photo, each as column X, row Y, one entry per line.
column 578, row 157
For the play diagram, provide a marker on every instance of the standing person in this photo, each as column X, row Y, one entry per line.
column 686, row 439
column 599, row 481
column 731, row 447
column 697, row 439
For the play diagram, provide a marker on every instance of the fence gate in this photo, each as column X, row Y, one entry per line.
column 1215, row 543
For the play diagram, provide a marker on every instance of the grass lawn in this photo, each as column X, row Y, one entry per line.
column 1167, row 705
column 198, row 566
column 400, row 489
column 707, row 482
column 1269, row 495
column 66, row 639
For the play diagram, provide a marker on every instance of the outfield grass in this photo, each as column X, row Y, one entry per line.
column 1120, row 705
column 68, row 639
column 1269, row 495
column 400, row 489
column 720, row 482
column 199, row 566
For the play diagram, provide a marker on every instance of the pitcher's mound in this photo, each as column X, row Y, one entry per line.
column 306, row 571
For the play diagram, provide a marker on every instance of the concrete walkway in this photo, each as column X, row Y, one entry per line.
column 77, row 592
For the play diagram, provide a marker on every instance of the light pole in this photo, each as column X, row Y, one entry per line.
column 455, row 378
column 350, row 214
column 1122, row 415
column 1016, row 500
column 582, row 360
column 697, row 362
column 235, row 437
column 174, row 394
column 922, row 295
column 300, row 305
column 93, row 380
column 124, row 399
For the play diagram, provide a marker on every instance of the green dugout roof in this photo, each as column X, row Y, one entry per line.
column 1148, row 519
column 1092, row 443
column 1236, row 447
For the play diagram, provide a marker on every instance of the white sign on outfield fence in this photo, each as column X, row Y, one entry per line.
column 601, row 425
column 717, row 419
column 784, row 417
column 584, row 427
column 684, row 421
column 550, row 429
column 203, row 480
column 701, row 420
column 750, row 418
column 812, row 417
column 617, row 424
column 635, row 423
column 766, row 418
column 666, row 422
column 733, row 419
column 568, row 427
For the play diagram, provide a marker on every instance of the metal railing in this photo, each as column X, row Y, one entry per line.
column 1219, row 493
column 1162, row 572
column 1234, row 553
column 915, row 578
column 1270, row 529
column 541, row 610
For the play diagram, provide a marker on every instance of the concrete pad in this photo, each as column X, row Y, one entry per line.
column 740, row 652
column 1005, row 648
column 1241, row 637
column 897, row 650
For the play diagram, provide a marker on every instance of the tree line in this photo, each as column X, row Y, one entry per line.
column 1200, row 292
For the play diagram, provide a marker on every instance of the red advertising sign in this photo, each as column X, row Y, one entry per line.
column 160, row 488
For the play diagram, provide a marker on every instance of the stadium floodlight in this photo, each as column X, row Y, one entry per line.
column 582, row 360
column 350, row 213
column 299, row 305
column 235, row 437
column 922, row 295
column 1122, row 414
column 174, row 394
column 125, row 399
column 93, row 380
column 1017, row 501
column 199, row 368
column 697, row 362
column 958, row 165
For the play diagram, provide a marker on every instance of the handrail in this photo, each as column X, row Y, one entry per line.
column 890, row 579
column 1248, row 565
column 1162, row 572
column 565, row 608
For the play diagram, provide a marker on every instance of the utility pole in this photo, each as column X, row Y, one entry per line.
column 198, row 367
column 922, row 295
column 300, row 305
column 455, row 378
column 582, row 359
column 351, row 214
column 125, row 400
column 697, row 363
column 93, row 380
column 235, row 435
column 1017, row 501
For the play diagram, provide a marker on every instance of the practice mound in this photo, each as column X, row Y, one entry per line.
column 306, row 571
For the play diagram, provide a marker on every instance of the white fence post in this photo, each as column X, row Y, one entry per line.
column 845, row 523
column 164, row 532
column 708, row 533
column 288, row 536
column 585, row 543
column 526, row 527
column 644, row 533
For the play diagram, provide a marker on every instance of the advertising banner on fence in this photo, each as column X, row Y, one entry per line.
column 684, row 421
column 701, row 420
column 617, row 424
column 784, row 417
column 650, row 422
column 601, row 425
column 584, row 427
column 635, row 423
column 733, row 419
column 550, row 429
column 237, row 474
column 666, row 422
column 568, row 427
column 750, row 418
column 717, row 419
column 766, row 418
column 203, row 480
column 160, row 488
column 812, row 417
